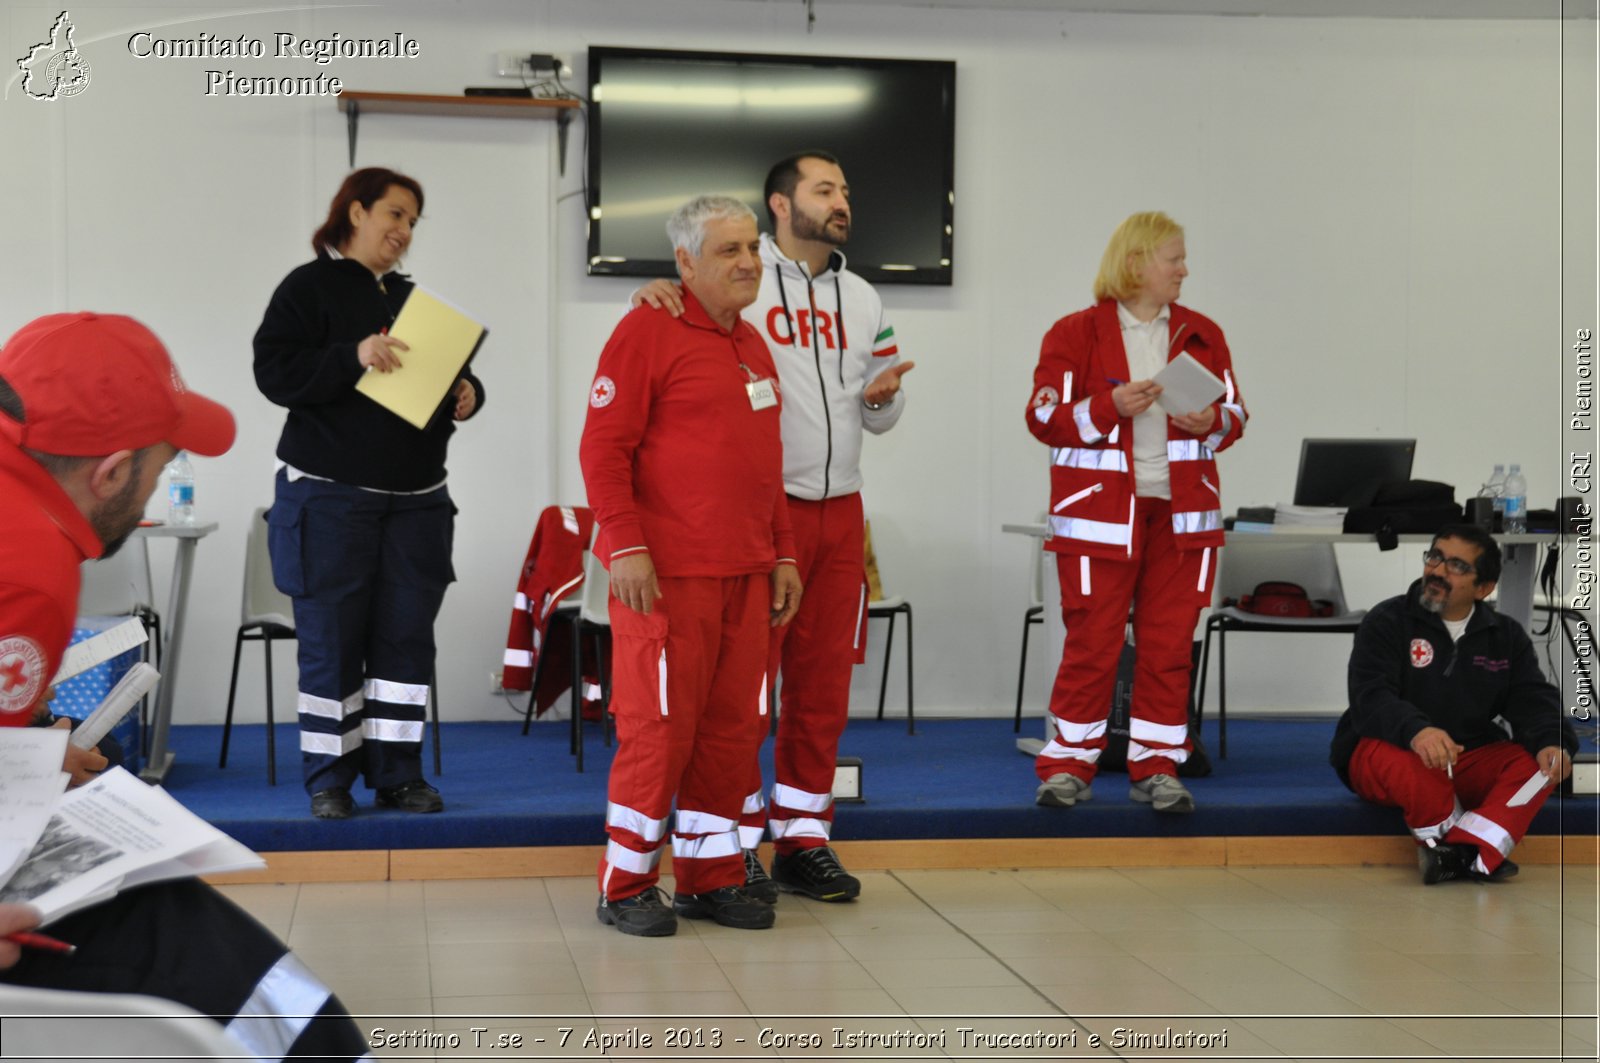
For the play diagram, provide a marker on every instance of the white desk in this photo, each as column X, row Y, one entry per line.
column 187, row 536
column 1519, row 570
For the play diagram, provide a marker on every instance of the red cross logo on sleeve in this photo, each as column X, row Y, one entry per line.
column 602, row 393
column 1421, row 653
column 21, row 673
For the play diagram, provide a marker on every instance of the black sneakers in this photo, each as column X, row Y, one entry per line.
column 413, row 796
column 1454, row 860
column 333, row 803
column 730, row 906
column 757, row 883
column 815, row 873
column 643, row 915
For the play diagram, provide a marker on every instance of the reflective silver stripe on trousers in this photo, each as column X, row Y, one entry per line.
column 692, row 822
column 1085, row 588
column 799, row 827
column 1438, row 830
column 327, row 708
column 661, row 679
column 705, row 847
column 1054, row 750
column 1485, row 829
column 789, row 797
column 1139, row 751
column 397, row 693
column 630, row 859
column 329, row 745
column 519, row 658
column 283, row 1002
column 378, row 730
column 635, row 822
column 1079, row 733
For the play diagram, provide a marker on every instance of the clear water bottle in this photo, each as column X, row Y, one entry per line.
column 1516, row 495
column 180, row 490
column 1496, row 489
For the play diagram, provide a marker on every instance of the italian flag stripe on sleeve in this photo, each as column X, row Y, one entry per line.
column 884, row 345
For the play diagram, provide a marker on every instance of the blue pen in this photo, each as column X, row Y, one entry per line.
column 1114, row 382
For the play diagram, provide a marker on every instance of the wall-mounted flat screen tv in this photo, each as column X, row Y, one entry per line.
column 667, row 126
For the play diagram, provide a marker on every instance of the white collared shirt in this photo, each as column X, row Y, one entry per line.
column 1146, row 345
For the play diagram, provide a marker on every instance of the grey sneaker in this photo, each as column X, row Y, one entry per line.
column 1162, row 793
column 1062, row 791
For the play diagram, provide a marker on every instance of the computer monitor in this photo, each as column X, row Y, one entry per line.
column 1348, row 472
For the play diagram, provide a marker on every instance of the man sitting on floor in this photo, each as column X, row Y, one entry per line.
column 1437, row 683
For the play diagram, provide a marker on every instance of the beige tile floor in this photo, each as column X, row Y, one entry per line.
column 1293, row 963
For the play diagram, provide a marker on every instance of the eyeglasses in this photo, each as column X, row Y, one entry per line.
column 1455, row 565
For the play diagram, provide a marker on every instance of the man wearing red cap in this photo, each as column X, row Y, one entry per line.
column 91, row 409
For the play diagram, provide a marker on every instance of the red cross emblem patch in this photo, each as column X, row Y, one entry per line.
column 1421, row 653
column 22, row 675
column 1046, row 396
column 603, row 392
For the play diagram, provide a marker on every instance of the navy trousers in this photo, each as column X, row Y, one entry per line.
column 367, row 572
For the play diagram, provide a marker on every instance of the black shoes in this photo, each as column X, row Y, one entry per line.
column 1454, row 860
column 815, row 873
column 333, row 803
column 413, row 796
column 757, row 883
column 730, row 906
column 643, row 915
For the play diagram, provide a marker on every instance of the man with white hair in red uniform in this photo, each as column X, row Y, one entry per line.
column 682, row 458
column 840, row 365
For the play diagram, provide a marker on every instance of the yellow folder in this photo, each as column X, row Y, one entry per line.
column 441, row 339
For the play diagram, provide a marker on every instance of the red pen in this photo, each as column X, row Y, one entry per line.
column 28, row 939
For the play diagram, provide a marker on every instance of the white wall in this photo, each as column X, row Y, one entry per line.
column 1372, row 209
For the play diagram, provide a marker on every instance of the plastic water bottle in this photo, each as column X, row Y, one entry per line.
column 180, row 490
column 1496, row 489
column 1516, row 501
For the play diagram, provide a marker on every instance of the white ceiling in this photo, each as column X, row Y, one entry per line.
column 1460, row 9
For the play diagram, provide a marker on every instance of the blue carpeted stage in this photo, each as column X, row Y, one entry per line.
column 953, row 779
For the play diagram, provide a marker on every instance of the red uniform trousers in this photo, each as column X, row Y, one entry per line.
column 1470, row 808
column 817, row 650
column 689, row 691
column 1167, row 587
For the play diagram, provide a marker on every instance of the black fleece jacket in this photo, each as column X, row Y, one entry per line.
column 305, row 360
column 1406, row 674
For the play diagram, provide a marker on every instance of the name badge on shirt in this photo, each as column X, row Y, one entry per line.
column 762, row 394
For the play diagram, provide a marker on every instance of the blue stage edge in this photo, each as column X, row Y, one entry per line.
column 955, row 778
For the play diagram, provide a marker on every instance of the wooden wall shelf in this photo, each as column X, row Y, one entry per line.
column 355, row 104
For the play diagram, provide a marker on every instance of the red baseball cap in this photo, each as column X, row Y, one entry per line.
column 93, row 384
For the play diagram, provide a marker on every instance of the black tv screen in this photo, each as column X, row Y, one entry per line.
column 670, row 125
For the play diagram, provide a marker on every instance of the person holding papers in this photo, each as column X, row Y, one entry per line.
column 1135, row 510
column 91, row 409
column 1450, row 719
column 361, row 523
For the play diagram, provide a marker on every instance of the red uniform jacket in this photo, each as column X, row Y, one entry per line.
column 676, row 460
column 45, row 541
column 1091, row 448
column 551, row 571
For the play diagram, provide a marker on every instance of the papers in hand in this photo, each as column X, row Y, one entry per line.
column 1538, row 782
column 1187, row 386
column 82, row 656
column 123, row 697
column 441, row 339
column 69, row 851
